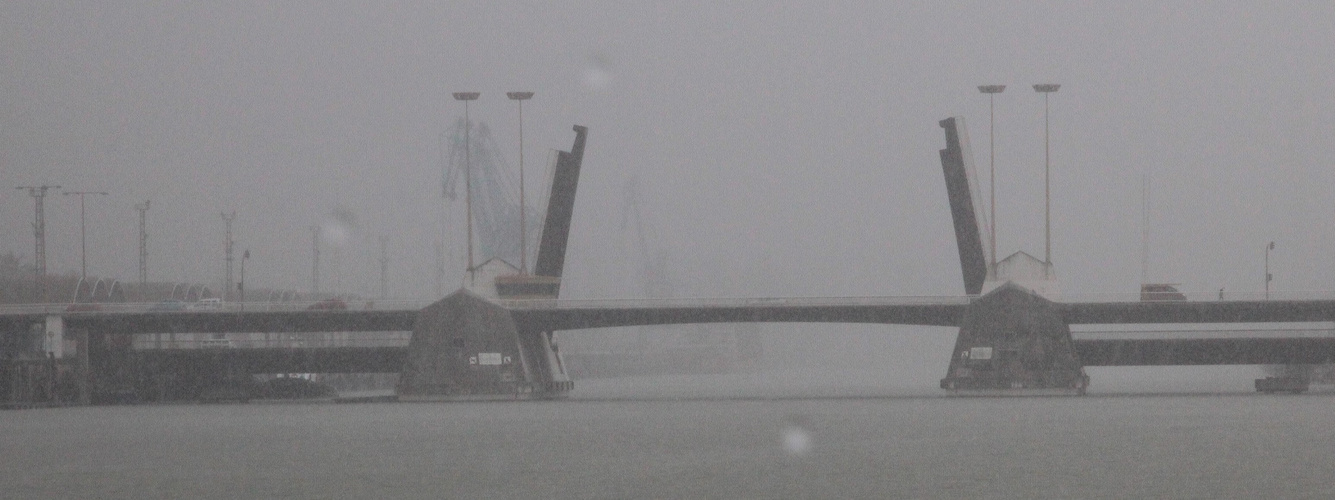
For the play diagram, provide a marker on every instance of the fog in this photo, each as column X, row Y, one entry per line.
column 779, row 150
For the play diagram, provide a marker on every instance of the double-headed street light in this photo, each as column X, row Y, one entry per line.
column 83, row 229
column 992, row 91
column 523, row 228
column 1045, row 89
column 468, row 172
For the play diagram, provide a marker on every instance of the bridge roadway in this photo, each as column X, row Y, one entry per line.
column 555, row 315
column 1092, row 352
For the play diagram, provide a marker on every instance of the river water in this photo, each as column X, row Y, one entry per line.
column 686, row 437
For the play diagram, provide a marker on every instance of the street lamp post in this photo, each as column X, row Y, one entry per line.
column 1268, row 277
column 241, row 286
column 523, row 227
column 466, row 97
column 992, row 91
column 315, row 260
column 1045, row 89
column 83, row 230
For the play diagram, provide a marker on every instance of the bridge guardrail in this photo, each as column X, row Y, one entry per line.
column 1200, row 296
column 142, row 307
column 159, row 341
column 1203, row 331
column 413, row 304
column 736, row 302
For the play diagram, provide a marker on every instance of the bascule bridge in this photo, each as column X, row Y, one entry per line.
column 1013, row 336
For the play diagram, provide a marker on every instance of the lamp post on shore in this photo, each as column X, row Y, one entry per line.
column 241, row 286
column 1045, row 89
column 520, row 97
column 315, row 260
column 992, row 91
column 83, row 229
column 1268, row 277
column 467, row 97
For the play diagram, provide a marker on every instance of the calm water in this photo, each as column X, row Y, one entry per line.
column 600, row 445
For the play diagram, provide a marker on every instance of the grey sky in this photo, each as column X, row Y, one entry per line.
column 780, row 149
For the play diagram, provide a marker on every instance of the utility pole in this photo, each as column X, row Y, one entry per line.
column 384, row 267
column 83, row 231
column 39, row 230
column 227, row 246
column 142, row 208
column 315, row 260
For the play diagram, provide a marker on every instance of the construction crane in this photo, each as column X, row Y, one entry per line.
column 652, row 269
column 495, row 192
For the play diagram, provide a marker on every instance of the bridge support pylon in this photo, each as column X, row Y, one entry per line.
column 1014, row 342
column 467, row 347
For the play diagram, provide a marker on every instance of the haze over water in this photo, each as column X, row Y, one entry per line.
column 786, row 151
column 599, row 444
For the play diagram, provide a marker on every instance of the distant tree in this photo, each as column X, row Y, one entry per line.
column 15, row 279
column 12, row 267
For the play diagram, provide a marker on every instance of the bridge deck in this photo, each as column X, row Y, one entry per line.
column 1228, row 351
column 1100, row 352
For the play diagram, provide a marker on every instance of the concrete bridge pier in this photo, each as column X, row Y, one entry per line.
column 467, row 347
column 1014, row 341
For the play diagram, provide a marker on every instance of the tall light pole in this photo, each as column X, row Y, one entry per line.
column 1045, row 89
column 241, row 286
column 466, row 97
column 83, row 229
column 992, row 91
column 315, row 260
column 523, row 228
column 142, row 208
column 384, row 267
column 1268, row 277
column 227, row 247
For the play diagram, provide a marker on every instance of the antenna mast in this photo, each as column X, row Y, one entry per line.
column 39, row 231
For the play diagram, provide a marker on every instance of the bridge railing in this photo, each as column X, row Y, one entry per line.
column 154, row 341
column 177, row 307
column 1198, row 296
column 735, row 302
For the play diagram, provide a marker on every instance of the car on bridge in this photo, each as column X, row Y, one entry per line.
column 1154, row 292
column 167, row 306
column 334, row 304
column 209, row 304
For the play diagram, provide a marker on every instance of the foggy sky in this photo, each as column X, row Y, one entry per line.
column 779, row 150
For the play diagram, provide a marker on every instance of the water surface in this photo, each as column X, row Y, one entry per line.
column 603, row 445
